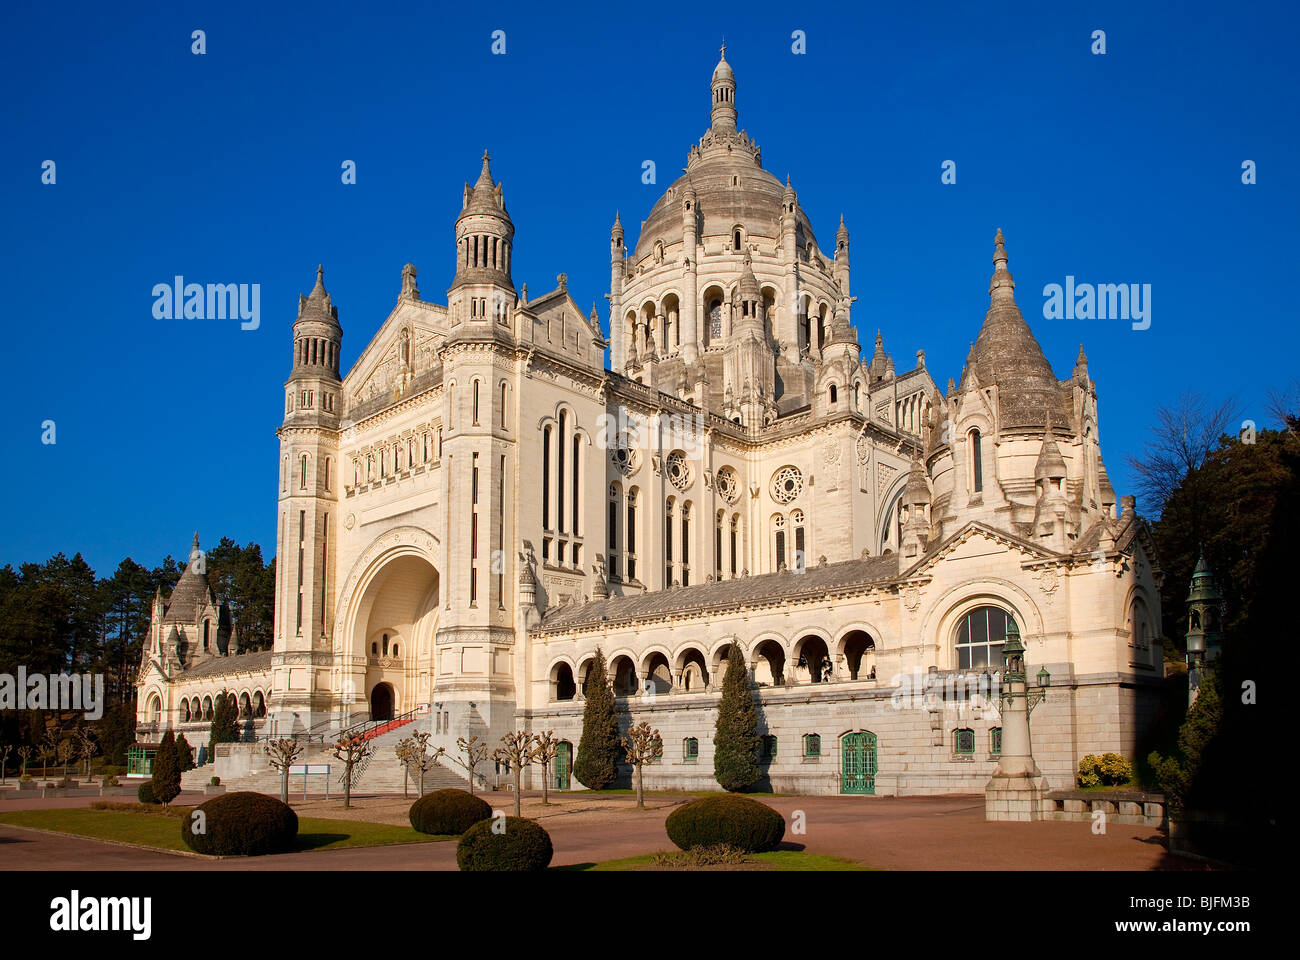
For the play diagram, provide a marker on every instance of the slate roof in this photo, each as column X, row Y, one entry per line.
column 190, row 595
column 258, row 662
column 1007, row 354
column 765, row 588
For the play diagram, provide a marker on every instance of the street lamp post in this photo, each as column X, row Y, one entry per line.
column 1016, row 789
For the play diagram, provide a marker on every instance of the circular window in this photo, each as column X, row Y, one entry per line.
column 624, row 454
column 679, row 469
column 728, row 484
column 787, row 484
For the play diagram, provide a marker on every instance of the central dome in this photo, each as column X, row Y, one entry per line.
column 726, row 171
column 732, row 190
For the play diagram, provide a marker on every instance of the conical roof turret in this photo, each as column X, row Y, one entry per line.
column 1006, row 354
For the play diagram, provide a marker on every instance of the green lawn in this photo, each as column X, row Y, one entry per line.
column 155, row 830
column 781, row 860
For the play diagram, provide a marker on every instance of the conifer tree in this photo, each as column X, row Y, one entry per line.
column 225, row 724
column 597, row 764
column 166, row 770
column 735, row 739
column 184, row 754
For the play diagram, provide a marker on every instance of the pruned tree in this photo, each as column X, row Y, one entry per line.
column 424, row 759
column 642, row 745
column 475, row 753
column 25, row 754
column 351, row 750
column 545, row 747
column 516, row 751
column 405, row 750
column 282, row 754
column 66, row 751
column 1181, row 439
column 86, row 746
column 5, row 750
column 48, row 748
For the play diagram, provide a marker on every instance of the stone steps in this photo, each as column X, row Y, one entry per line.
column 383, row 774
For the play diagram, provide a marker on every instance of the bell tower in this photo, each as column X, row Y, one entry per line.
column 306, row 528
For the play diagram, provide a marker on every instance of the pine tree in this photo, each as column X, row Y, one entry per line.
column 735, row 740
column 184, row 754
column 597, row 764
column 166, row 770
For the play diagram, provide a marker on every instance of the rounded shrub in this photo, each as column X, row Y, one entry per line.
column 448, row 812
column 737, row 821
column 240, row 825
column 145, row 793
column 1107, row 770
column 524, row 846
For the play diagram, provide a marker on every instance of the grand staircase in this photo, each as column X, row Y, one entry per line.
column 379, row 773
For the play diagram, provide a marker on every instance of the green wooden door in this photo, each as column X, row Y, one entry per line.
column 562, row 758
column 858, row 766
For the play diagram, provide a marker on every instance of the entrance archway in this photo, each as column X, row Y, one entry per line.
column 381, row 702
column 391, row 618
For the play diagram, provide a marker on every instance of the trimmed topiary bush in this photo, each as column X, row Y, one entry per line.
column 145, row 793
column 524, row 846
column 737, row 821
column 448, row 812
column 241, row 824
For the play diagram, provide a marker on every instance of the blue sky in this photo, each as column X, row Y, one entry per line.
column 225, row 167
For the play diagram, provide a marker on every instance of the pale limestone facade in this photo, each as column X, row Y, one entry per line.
column 479, row 504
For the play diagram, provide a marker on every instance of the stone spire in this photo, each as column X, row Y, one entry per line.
column 1081, row 366
column 1006, row 354
column 1051, row 465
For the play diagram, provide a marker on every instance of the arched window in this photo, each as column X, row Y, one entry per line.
column 691, row 748
column 980, row 636
column 207, row 626
column 155, row 709
column 476, row 403
column 735, row 241
column 735, row 542
column 834, row 394
column 326, row 476
column 505, row 416
column 995, row 741
column 800, row 557
column 669, row 508
column 778, row 528
column 767, row 749
column 385, row 644
column 302, row 477
column 686, row 544
column 963, row 741
column 630, row 533
column 559, row 471
column 976, row 462
column 546, row 478
column 717, row 544
column 451, row 407
column 612, row 525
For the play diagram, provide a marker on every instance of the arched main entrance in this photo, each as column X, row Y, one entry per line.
column 391, row 615
column 381, row 702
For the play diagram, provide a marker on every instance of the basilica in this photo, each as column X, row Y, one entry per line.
column 480, row 504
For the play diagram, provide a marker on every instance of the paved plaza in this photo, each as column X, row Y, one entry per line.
column 905, row 833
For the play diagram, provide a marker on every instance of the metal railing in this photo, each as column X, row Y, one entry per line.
column 369, row 729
